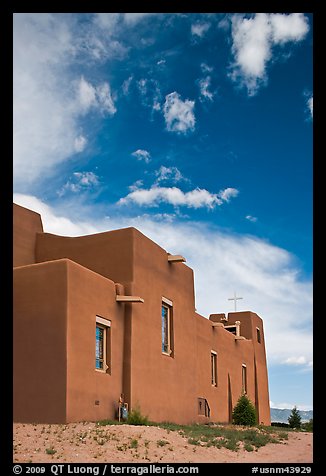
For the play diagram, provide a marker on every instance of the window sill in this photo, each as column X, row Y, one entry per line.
column 101, row 371
column 168, row 354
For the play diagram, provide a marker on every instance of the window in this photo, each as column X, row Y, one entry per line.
column 167, row 331
column 258, row 335
column 244, row 378
column 203, row 407
column 102, row 344
column 214, row 368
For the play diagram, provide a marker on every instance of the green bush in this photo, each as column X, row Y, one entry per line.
column 308, row 426
column 295, row 418
column 136, row 418
column 244, row 413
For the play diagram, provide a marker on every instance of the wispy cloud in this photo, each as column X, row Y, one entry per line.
column 251, row 218
column 49, row 101
column 98, row 97
column 266, row 276
column 142, row 155
column 289, row 406
column 253, row 41
column 298, row 360
column 172, row 174
column 205, row 93
column 206, row 68
column 197, row 198
column 179, row 115
column 80, row 182
column 80, row 143
column 200, row 29
column 310, row 106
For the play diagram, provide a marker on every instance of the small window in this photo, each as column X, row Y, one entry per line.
column 258, row 335
column 102, row 344
column 203, row 407
column 167, row 336
column 214, row 368
column 244, row 378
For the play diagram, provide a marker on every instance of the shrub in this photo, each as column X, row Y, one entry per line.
column 244, row 413
column 295, row 418
column 136, row 418
column 308, row 426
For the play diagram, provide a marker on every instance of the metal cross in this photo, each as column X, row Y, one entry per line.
column 235, row 298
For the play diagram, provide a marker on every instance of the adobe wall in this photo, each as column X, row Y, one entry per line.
column 91, row 394
column 109, row 254
column 26, row 224
column 164, row 386
column 249, row 323
column 167, row 388
column 231, row 354
column 39, row 345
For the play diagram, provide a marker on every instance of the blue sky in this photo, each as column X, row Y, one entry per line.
column 197, row 130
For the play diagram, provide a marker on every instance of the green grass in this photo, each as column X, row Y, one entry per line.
column 162, row 442
column 219, row 435
column 50, row 451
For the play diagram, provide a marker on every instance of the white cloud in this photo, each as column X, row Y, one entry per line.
column 179, row 115
column 228, row 193
column 299, row 360
column 293, row 27
column 253, row 40
column 80, row 143
column 126, row 85
column 197, row 198
column 310, row 106
column 44, row 125
column 46, row 108
column 134, row 18
column 251, row 218
column 204, row 85
column 80, row 182
column 206, row 68
column 289, row 406
column 98, row 97
column 136, row 185
column 266, row 276
column 168, row 173
column 142, row 154
column 199, row 29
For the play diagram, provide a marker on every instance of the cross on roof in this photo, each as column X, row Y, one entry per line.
column 235, row 298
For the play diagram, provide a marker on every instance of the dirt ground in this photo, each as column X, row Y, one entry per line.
column 89, row 443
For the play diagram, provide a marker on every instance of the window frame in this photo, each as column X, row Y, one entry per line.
column 258, row 335
column 105, row 325
column 214, row 381
column 244, row 379
column 168, row 305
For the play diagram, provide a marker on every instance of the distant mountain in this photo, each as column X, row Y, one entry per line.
column 281, row 415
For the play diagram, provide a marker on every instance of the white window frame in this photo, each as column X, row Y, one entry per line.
column 214, row 368
column 244, row 379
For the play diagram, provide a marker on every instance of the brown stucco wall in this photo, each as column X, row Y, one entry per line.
column 91, row 295
column 39, row 346
column 109, row 254
column 160, row 384
column 249, row 323
column 25, row 226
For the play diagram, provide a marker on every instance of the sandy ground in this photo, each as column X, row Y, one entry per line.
column 89, row 443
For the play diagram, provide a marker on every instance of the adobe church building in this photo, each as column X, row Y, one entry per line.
column 113, row 313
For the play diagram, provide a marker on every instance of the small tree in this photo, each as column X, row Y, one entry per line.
column 295, row 418
column 244, row 413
